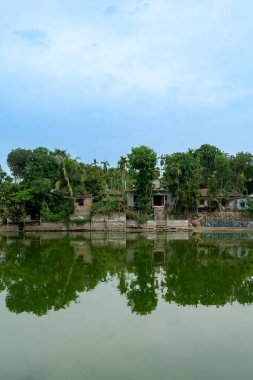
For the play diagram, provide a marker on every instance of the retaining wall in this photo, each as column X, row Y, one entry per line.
column 115, row 221
column 224, row 223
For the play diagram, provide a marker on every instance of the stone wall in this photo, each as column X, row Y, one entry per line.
column 225, row 220
column 10, row 228
column 115, row 221
column 178, row 224
column 111, row 221
column 224, row 223
column 50, row 226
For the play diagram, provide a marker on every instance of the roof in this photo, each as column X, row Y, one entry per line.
column 233, row 194
column 114, row 192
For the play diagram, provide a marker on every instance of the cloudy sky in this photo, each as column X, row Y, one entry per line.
column 98, row 77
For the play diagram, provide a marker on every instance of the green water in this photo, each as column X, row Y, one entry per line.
column 101, row 306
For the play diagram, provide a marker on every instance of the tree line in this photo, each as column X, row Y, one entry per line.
column 47, row 183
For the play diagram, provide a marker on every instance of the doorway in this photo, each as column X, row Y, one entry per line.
column 158, row 200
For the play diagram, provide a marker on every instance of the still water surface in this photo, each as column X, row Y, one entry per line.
column 129, row 307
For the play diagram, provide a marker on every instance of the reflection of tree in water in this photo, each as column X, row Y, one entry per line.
column 206, row 275
column 39, row 276
column 141, row 288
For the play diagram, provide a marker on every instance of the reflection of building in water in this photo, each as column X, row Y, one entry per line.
column 159, row 255
column 130, row 256
column 82, row 251
column 104, row 239
column 234, row 251
column 238, row 252
column 203, row 250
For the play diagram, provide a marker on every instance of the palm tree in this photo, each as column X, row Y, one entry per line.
column 72, row 171
column 122, row 167
column 95, row 162
column 105, row 165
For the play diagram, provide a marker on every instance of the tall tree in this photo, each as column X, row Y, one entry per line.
column 206, row 155
column 105, row 166
column 142, row 164
column 220, row 184
column 182, row 175
column 18, row 160
column 122, row 164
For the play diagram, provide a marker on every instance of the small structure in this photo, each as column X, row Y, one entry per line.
column 83, row 206
column 240, row 203
column 161, row 196
column 232, row 200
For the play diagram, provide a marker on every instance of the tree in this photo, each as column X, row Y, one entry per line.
column 206, row 156
column 122, row 164
column 220, row 185
column 95, row 183
column 27, row 165
column 142, row 164
column 73, row 175
column 242, row 170
column 4, row 177
column 17, row 161
column 49, row 178
column 182, row 175
column 105, row 166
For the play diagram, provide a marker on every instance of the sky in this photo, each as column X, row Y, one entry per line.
column 99, row 77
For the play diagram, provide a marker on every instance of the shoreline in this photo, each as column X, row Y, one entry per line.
column 61, row 227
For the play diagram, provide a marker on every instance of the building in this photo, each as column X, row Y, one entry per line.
column 240, row 204
column 161, row 196
column 83, row 206
column 233, row 201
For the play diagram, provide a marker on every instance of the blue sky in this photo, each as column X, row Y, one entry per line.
column 98, row 77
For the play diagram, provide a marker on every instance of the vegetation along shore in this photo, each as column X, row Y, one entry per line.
column 205, row 186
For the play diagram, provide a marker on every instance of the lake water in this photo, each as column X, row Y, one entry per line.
column 101, row 306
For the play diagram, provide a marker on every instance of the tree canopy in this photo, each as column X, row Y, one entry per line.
column 44, row 182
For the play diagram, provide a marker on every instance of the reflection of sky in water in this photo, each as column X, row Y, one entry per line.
column 100, row 338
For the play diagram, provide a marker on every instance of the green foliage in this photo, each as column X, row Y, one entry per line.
column 4, row 177
column 11, row 201
column 220, row 184
column 182, row 174
column 43, row 177
column 18, row 160
column 242, row 170
column 95, row 183
column 142, row 168
column 109, row 204
column 28, row 165
column 72, row 175
column 206, row 156
column 142, row 216
column 58, row 210
column 249, row 204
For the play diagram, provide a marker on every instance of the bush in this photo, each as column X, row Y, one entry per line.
column 58, row 211
column 109, row 204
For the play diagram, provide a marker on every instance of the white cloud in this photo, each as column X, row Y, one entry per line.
column 168, row 50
